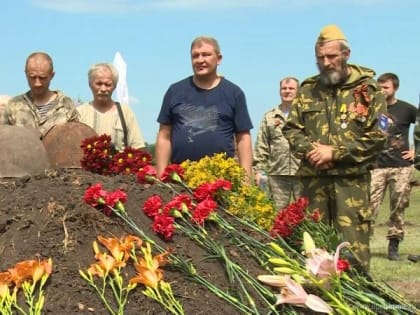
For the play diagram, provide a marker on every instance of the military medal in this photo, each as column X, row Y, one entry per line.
column 343, row 116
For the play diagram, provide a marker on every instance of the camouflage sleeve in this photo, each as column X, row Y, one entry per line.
column 3, row 115
column 3, row 109
column 294, row 130
column 358, row 148
column 261, row 150
column 417, row 141
column 72, row 113
column 10, row 112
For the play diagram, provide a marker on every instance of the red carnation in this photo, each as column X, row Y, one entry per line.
column 282, row 230
column 223, row 184
column 294, row 216
column 180, row 202
column 203, row 191
column 173, row 172
column 203, row 210
column 281, row 226
column 343, row 265
column 316, row 215
column 95, row 195
column 164, row 225
column 302, row 203
column 146, row 174
column 116, row 199
column 152, row 206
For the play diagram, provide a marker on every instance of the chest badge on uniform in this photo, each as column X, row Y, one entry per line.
column 343, row 116
column 277, row 122
column 361, row 103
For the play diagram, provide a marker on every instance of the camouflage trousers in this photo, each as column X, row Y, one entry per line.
column 284, row 189
column 397, row 179
column 343, row 202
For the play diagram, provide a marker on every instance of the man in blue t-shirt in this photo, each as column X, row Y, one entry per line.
column 394, row 163
column 204, row 114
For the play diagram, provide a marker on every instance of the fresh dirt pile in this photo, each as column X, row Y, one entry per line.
column 46, row 216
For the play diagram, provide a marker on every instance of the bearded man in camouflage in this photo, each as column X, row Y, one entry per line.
column 335, row 128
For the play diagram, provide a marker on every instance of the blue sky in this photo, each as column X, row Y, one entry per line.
column 261, row 42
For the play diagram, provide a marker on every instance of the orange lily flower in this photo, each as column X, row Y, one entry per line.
column 41, row 268
column 148, row 271
column 120, row 249
column 96, row 270
column 22, row 271
column 129, row 243
column 106, row 263
column 114, row 247
column 5, row 282
column 148, row 276
column 159, row 260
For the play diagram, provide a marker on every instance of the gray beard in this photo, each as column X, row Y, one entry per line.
column 332, row 78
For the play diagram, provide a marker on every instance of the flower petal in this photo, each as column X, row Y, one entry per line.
column 273, row 280
column 308, row 243
column 337, row 252
column 295, row 287
column 315, row 303
column 289, row 299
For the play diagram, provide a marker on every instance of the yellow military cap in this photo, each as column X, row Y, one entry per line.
column 329, row 33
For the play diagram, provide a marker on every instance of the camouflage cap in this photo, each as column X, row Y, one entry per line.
column 330, row 33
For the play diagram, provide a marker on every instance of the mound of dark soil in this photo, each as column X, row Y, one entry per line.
column 46, row 216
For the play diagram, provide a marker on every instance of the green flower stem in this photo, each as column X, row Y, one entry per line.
column 191, row 273
column 233, row 270
column 165, row 185
column 167, row 299
column 184, row 266
column 120, row 293
column 251, row 301
column 34, row 305
column 6, row 303
column 14, row 302
column 101, row 292
column 176, row 307
column 238, row 235
column 370, row 301
column 186, row 187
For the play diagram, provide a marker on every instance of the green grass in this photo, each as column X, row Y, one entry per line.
column 403, row 275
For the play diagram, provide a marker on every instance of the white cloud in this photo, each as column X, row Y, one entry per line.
column 90, row 6
column 213, row 4
column 124, row 6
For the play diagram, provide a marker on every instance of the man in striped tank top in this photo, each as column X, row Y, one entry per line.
column 40, row 107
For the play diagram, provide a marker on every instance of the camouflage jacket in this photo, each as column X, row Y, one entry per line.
column 21, row 111
column 272, row 152
column 349, row 117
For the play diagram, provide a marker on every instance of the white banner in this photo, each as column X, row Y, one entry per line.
column 121, row 91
